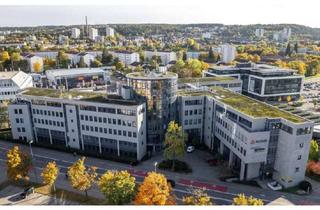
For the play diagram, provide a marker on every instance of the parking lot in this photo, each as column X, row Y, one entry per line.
column 10, row 195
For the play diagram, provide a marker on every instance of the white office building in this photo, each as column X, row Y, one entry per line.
column 166, row 57
column 93, row 33
column 126, row 57
column 110, row 126
column 193, row 55
column 255, row 138
column 87, row 58
column 109, row 31
column 259, row 32
column 75, row 33
column 228, row 53
column 63, row 40
column 11, row 82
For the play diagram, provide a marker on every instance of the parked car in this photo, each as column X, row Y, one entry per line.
column 171, row 182
column 190, row 149
column 274, row 185
column 28, row 191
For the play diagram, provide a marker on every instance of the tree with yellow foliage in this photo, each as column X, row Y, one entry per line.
column 199, row 197
column 37, row 67
column 50, row 174
column 174, row 143
column 242, row 200
column 80, row 177
column 18, row 164
column 118, row 187
column 154, row 191
column 5, row 56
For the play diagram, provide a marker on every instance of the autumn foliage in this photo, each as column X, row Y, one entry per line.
column 80, row 177
column 155, row 191
column 50, row 174
column 18, row 164
column 313, row 167
column 242, row 200
column 199, row 197
column 117, row 186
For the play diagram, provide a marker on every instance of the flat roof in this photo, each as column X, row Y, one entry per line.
column 76, row 71
column 205, row 79
column 78, row 95
column 152, row 75
column 8, row 74
column 245, row 104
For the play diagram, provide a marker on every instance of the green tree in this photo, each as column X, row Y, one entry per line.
column 174, row 143
column 106, row 57
column 288, row 50
column 314, row 151
column 81, row 63
column 118, row 187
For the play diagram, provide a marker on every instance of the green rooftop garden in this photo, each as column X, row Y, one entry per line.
column 205, row 79
column 152, row 75
column 245, row 104
column 52, row 93
column 84, row 96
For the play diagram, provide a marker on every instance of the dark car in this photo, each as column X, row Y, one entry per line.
column 171, row 182
column 28, row 191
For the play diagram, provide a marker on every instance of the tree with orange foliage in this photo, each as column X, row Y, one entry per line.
column 313, row 167
column 37, row 67
column 155, row 191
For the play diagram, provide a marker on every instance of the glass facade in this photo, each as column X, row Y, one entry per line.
column 160, row 95
column 279, row 86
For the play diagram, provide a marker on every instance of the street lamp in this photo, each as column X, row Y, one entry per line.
column 34, row 167
column 155, row 166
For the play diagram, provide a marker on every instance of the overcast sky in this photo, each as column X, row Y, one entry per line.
column 304, row 12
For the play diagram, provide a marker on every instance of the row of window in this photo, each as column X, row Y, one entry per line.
column 8, row 93
column 48, row 122
column 193, row 102
column 194, row 122
column 228, row 127
column 109, row 131
column 109, row 110
column 192, row 112
column 19, row 120
column 231, row 141
column 47, row 113
column 18, row 111
column 108, row 120
column 6, row 84
column 22, row 129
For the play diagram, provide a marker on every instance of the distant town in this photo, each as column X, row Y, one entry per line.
column 203, row 114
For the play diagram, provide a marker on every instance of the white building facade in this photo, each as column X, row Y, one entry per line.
column 75, row 33
column 228, row 53
column 93, row 33
column 12, row 82
column 253, row 146
column 109, row 31
column 126, row 57
column 166, row 57
column 104, row 128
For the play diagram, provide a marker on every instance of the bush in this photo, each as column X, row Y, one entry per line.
column 306, row 186
column 180, row 166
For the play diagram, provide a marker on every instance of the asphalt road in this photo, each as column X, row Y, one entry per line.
column 221, row 193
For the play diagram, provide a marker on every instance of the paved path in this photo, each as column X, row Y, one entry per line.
column 221, row 192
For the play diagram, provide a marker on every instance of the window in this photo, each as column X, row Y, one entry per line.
column 301, row 145
column 20, row 111
column 186, row 113
column 134, row 134
column 129, row 134
column 297, row 169
column 299, row 157
column 15, row 111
